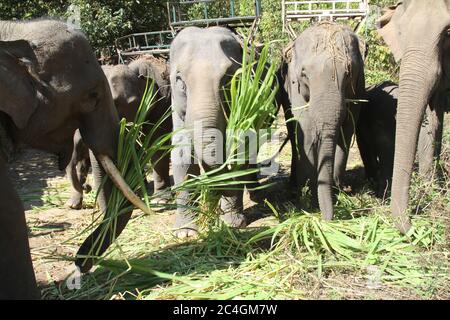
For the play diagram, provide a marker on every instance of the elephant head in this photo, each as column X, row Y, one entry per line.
column 126, row 90
column 324, row 67
column 418, row 33
column 48, row 90
column 128, row 83
column 202, row 64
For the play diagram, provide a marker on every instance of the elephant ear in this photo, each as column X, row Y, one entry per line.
column 18, row 81
column 389, row 28
column 288, row 52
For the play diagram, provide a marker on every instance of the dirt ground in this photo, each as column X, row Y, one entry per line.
column 54, row 230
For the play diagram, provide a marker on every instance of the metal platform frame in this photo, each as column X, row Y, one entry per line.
column 306, row 10
column 155, row 43
column 177, row 12
column 158, row 42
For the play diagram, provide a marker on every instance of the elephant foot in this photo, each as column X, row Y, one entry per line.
column 231, row 208
column 234, row 220
column 161, row 201
column 75, row 202
column 184, row 226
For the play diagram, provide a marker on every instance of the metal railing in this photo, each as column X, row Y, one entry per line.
column 306, row 10
column 155, row 42
column 181, row 13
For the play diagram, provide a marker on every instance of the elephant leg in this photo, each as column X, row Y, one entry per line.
column 430, row 140
column 232, row 207
column 293, row 132
column 386, row 167
column 17, row 280
column 306, row 162
column 181, row 156
column 342, row 150
column 367, row 151
column 98, row 175
column 160, row 163
column 82, row 172
column 76, row 196
column 77, row 171
column 185, row 225
column 161, row 178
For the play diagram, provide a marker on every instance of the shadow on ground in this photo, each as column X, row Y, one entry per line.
column 29, row 171
column 217, row 250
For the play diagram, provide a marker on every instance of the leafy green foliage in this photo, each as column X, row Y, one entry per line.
column 106, row 20
column 251, row 100
column 28, row 9
column 102, row 20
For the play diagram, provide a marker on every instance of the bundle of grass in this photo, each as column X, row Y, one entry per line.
column 135, row 150
column 367, row 243
column 251, row 104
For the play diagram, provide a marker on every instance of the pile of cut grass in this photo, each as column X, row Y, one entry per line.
column 359, row 255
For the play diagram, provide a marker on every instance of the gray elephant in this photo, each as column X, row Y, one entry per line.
column 375, row 134
column 417, row 31
column 323, row 69
column 48, row 90
column 202, row 62
column 128, row 83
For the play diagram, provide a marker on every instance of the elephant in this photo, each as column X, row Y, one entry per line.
column 422, row 44
column 50, row 85
column 128, row 83
column 322, row 70
column 202, row 62
column 375, row 134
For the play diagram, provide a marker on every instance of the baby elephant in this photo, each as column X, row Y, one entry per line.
column 376, row 134
column 128, row 83
column 322, row 72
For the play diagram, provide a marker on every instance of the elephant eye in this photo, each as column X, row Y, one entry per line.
column 180, row 83
column 303, row 75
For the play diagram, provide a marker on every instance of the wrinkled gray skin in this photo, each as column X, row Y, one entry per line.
column 202, row 61
column 422, row 44
column 58, row 88
column 127, row 83
column 375, row 134
column 322, row 70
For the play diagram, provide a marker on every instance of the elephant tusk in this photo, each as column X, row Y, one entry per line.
column 114, row 173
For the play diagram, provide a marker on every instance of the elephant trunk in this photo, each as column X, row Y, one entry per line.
column 100, row 130
column 206, row 117
column 328, row 110
column 418, row 76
